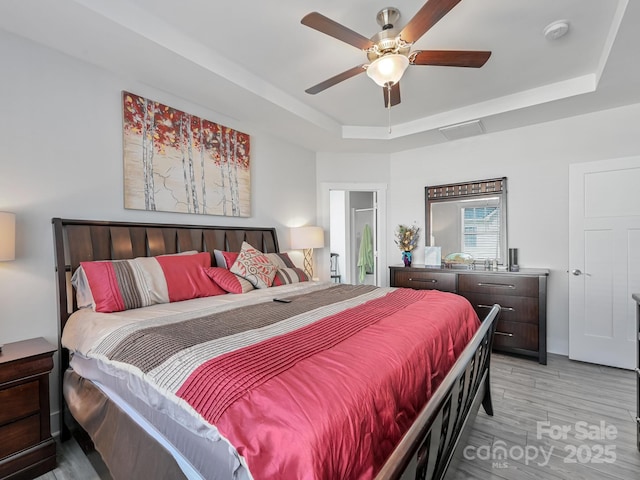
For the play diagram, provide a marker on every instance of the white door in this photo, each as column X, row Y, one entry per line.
column 604, row 260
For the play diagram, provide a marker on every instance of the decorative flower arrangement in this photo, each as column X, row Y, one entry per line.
column 407, row 237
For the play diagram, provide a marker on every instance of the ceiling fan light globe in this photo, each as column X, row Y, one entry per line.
column 388, row 69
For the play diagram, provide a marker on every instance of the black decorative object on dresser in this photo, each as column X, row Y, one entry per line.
column 27, row 449
column 522, row 327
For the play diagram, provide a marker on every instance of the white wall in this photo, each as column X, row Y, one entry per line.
column 352, row 168
column 61, row 156
column 536, row 161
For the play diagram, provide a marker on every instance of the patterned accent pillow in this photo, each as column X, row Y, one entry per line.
column 228, row 281
column 253, row 265
column 125, row 284
column 285, row 276
column 280, row 260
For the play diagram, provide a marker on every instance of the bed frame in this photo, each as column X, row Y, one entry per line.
column 426, row 451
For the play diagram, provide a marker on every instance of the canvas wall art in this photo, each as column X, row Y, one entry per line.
column 178, row 162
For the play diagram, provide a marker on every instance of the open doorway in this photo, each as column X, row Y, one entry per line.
column 354, row 215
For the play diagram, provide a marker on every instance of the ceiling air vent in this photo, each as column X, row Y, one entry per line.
column 462, row 130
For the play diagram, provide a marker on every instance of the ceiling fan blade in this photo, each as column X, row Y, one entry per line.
column 352, row 72
column 430, row 13
column 395, row 95
column 329, row 27
column 450, row 58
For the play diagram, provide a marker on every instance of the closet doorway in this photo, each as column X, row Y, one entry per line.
column 355, row 219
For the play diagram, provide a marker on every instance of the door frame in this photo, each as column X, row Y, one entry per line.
column 322, row 264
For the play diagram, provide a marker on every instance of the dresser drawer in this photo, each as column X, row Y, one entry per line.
column 19, row 401
column 425, row 280
column 514, row 309
column 19, row 435
column 496, row 284
column 25, row 368
column 516, row 335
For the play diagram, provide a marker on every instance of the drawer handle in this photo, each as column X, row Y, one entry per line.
column 508, row 309
column 504, row 334
column 500, row 285
column 430, row 280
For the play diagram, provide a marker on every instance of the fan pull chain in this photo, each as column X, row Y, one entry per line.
column 389, row 105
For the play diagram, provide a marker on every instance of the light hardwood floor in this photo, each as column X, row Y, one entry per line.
column 577, row 397
column 581, row 398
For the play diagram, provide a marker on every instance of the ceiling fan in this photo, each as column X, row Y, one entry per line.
column 389, row 51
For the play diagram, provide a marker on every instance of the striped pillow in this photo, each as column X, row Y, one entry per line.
column 280, row 260
column 228, row 281
column 125, row 284
column 285, row 276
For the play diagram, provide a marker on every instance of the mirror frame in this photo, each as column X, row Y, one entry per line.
column 474, row 189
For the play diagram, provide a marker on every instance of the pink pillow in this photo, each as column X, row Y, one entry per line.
column 228, row 281
column 230, row 258
column 225, row 259
column 185, row 277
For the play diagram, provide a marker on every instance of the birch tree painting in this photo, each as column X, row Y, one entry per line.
column 177, row 162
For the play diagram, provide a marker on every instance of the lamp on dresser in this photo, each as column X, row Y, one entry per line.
column 307, row 238
column 7, row 236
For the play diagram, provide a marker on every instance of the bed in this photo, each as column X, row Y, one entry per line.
column 341, row 381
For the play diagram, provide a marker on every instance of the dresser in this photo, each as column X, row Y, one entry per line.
column 522, row 327
column 27, row 448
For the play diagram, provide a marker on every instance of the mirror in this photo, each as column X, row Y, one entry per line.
column 468, row 217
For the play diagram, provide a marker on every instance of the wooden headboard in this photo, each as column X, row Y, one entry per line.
column 86, row 240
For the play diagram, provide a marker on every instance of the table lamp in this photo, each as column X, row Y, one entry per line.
column 307, row 238
column 7, row 236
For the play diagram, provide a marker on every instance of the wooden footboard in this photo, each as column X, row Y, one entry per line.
column 428, row 448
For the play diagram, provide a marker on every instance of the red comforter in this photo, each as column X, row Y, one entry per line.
column 332, row 399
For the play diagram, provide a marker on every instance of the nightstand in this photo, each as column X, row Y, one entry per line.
column 27, row 449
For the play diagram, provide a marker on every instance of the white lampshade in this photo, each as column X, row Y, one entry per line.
column 388, row 69
column 7, row 236
column 307, row 237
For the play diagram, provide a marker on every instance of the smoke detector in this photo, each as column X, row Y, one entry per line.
column 555, row 30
